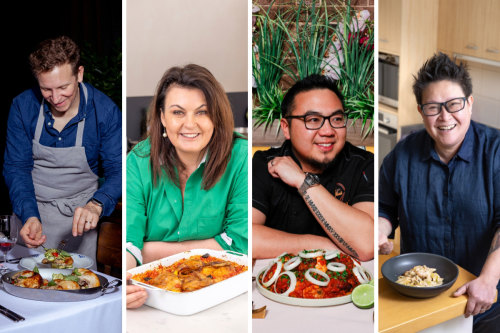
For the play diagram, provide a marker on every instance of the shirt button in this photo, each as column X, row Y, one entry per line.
column 50, row 124
column 178, row 232
column 59, row 139
column 175, row 201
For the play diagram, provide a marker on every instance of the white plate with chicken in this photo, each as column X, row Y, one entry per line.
column 55, row 258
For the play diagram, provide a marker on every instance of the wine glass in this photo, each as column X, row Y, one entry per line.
column 8, row 235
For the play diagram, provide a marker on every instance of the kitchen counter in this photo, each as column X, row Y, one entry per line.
column 399, row 313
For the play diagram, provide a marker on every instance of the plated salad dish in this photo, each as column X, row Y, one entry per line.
column 312, row 278
column 58, row 258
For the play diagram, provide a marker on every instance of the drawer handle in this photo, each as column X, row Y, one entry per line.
column 496, row 51
column 383, row 40
column 471, row 47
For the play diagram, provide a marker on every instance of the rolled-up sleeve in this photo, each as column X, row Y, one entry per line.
column 18, row 162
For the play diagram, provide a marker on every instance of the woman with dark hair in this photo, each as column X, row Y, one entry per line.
column 187, row 182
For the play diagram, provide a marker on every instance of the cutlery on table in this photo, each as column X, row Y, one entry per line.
column 10, row 314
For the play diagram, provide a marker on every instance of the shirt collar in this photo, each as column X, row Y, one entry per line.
column 203, row 160
column 464, row 152
column 82, row 113
column 286, row 150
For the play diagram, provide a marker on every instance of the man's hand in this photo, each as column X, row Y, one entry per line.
column 32, row 233
column 385, row 246
column 481, row 293
column 285, row 168
column 86, row 218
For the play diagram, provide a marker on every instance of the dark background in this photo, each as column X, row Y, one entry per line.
column 95, row 25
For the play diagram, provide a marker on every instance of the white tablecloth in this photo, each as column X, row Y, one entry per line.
column 102, row 314
column 290, row 318
column 228, row 317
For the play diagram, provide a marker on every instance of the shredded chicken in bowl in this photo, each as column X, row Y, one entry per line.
column 420, row 276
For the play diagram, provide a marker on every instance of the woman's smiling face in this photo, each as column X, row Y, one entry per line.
column 446, row 129
column 185, row 116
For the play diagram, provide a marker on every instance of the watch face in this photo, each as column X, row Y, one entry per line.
column 312, row 179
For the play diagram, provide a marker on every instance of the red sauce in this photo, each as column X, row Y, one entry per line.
column 341, row 283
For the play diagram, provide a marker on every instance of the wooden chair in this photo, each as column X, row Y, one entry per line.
column 109, row 245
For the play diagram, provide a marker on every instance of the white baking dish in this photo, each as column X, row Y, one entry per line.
column 188, row 303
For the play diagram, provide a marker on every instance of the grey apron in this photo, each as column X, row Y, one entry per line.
column 63, row 181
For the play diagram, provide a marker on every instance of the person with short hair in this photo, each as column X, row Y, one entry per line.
column 441, row 186
column 316, row 190
column 187, row 183
column 61, row 137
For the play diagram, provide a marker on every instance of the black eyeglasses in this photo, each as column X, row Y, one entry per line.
column 316, row 121
column 452, row 106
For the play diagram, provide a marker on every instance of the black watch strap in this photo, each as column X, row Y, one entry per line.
column 310, row 181
column 98, row 203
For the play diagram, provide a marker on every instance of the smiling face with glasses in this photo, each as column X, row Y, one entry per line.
column 446, row 113
column 316, row 128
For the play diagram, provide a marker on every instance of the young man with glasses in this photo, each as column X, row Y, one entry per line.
column 316, row 190
column 442, row 186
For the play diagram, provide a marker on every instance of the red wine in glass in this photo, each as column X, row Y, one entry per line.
column 6, row 246
column 8, row 235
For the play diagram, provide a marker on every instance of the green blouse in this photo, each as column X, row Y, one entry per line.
column 156, row 213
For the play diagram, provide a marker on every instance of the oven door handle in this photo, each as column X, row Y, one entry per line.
column 385, row 130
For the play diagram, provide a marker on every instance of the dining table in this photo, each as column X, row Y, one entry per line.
column 293, row 318
column 227, row 317
column 101, row 314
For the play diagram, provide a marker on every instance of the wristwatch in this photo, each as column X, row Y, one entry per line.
column 310, row 181
column 98, row 203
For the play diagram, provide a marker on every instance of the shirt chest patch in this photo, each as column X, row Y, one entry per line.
column 339, row 191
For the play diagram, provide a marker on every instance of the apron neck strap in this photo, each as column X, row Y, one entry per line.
column 81, row 123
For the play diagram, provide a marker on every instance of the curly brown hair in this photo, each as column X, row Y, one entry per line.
column 163, row 155
column 55, row 52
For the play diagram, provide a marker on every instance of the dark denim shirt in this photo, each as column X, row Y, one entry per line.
column 451, row 210
column 101, row 139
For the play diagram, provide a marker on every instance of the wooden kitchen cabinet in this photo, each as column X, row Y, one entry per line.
column 410, row 28
column 470, row 28
column 389, row 23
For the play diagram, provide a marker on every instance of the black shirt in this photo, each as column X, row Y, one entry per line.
column 349, row 178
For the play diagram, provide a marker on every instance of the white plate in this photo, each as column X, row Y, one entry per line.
column 79, row 261
column 188, row 303
column 301, row 301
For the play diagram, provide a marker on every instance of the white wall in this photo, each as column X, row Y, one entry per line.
column 165, row 33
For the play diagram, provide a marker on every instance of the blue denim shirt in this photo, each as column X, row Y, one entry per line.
column 451, row 210
column 101, row 139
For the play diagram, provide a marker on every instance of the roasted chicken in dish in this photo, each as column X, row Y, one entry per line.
column 190, row 274
column 80, row 278
column 27, row 279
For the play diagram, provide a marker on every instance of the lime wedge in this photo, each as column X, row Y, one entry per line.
column 363, row 296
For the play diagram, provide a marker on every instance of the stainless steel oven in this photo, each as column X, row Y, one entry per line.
column 388, row 69
column 387, row 134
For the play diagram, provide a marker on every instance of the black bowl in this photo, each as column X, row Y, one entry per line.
column 398, row 265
